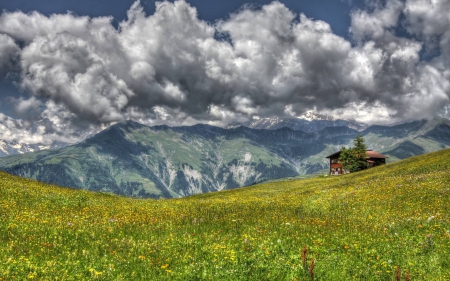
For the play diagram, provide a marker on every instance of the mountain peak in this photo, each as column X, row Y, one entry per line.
column 14, row 147
column 309, row 122
column 311, row 115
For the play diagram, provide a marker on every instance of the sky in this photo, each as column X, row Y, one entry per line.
column 71, row 68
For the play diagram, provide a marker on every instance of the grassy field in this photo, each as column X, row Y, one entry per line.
column 372, row 225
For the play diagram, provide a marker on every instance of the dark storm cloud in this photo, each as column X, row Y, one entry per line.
column 169, row 67
column 9, row 54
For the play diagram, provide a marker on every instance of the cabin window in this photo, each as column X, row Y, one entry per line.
column 334, row 161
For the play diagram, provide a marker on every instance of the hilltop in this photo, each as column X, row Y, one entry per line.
column 358, row 226
column 132, row 159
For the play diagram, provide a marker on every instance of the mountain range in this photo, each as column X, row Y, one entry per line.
column 309, row 122
column 132, row 159
column 14, row 147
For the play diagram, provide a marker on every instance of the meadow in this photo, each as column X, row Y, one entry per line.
column 386, row 223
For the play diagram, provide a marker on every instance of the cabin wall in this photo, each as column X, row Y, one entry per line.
column 376, row 162
column 335, row 167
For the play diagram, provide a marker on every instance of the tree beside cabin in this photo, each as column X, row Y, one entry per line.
column 354, row 159
column 373, row 159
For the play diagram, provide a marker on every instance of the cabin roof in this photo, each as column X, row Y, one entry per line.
column 334, row 154
column 374, row 154
column 369, row 153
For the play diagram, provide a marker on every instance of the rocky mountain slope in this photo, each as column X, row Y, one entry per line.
column 133, row 159
column 136, row 160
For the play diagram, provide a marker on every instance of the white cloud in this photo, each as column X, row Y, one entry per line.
column 376, row 24
column 27, row 107
column 427, row 18
column 26, row 27
column 406, row 86
column 169, row 67
column 430, row 22
column 71, row 70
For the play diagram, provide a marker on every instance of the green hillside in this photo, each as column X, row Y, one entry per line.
column 361, row 226
column 135, row 160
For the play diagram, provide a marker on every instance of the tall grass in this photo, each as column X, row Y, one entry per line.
column 385, row 223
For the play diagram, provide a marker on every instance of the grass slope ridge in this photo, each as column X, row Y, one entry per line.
column 359, row 226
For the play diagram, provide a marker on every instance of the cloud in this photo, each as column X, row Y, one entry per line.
column 9, row 54
column 53, row 123
column 409, row 87
column 27, row 107
column 171, row 67
column 377, row 23
column 427, row 19
column 27, row 27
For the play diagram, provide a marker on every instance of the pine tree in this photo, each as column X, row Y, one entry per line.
column 360, row 152
column 354, row 159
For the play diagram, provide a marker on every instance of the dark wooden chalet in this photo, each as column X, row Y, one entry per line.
column 373, row 159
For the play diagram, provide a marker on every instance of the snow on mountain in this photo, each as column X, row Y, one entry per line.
column 309, row 122
column 310, row 116
column 13, row 147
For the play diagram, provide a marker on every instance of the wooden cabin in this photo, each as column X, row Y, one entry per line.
column 373, row 159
